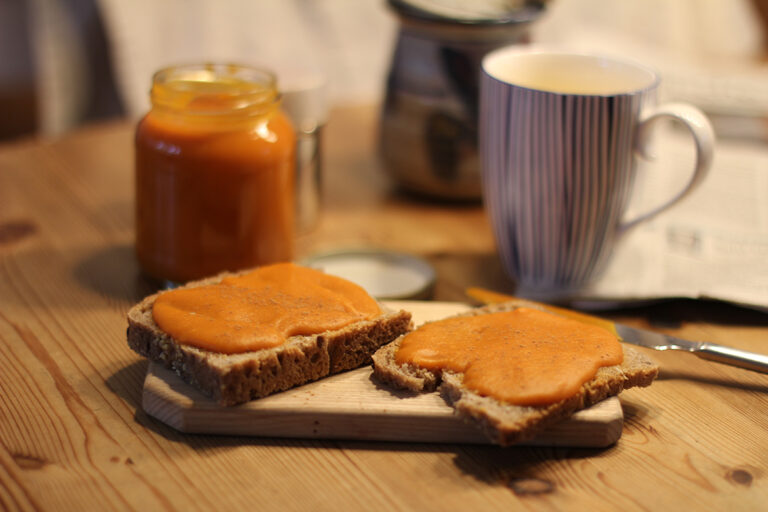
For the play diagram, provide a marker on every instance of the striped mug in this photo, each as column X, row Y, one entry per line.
column 559, row 134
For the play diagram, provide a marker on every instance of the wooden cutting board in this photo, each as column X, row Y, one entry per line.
column 353, row 405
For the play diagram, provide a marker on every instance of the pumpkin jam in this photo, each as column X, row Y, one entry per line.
column 214, row 173
column 262, row 309
column 523, row 357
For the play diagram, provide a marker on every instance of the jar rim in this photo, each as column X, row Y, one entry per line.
column 211, row 88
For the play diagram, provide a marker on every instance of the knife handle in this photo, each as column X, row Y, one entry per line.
column 733, row 357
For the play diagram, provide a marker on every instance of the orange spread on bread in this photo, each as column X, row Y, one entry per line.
column 262, row 309
column 523, row 356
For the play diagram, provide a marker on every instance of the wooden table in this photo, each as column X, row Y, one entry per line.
column 73, row 435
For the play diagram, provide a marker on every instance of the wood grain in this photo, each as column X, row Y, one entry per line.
column 353, row 406
column 73, row 435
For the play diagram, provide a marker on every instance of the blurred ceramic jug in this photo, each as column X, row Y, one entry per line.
column 428, row 135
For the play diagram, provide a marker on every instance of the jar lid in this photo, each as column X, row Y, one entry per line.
column 385, row 275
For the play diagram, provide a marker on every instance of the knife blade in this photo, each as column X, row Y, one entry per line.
column 709, row 351
column 642, row 337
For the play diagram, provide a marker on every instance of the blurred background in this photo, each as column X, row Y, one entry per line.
column 64, row 63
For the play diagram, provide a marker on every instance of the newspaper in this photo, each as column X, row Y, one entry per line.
column 713, row 244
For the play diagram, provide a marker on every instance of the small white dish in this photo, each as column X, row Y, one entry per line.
column 386, row 275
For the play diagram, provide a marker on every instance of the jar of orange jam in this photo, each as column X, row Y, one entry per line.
column 214, row 173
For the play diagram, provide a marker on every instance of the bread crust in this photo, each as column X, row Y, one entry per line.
column 501, row 422
column 231, row 379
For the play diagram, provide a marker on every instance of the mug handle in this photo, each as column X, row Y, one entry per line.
column 703, row 136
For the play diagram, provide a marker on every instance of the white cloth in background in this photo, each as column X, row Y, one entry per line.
column 698, row 32
column 350, row 42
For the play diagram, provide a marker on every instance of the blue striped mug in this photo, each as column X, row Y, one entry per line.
column 559, row 138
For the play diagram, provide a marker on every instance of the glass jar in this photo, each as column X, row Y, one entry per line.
column 214, row 173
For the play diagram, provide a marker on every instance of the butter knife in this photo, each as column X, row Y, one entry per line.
column 709, row 351
column 644, row 338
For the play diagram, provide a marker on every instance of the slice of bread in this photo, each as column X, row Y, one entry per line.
column 501, row 422
column 231, row 379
